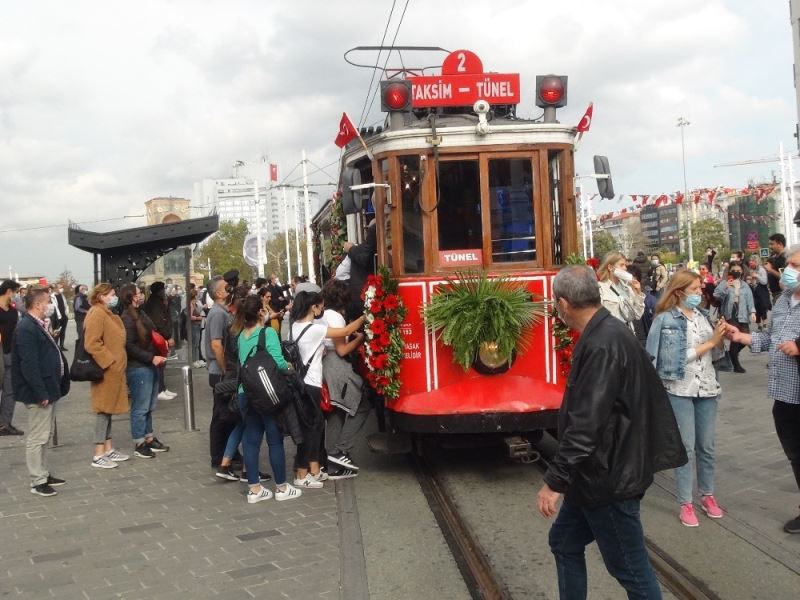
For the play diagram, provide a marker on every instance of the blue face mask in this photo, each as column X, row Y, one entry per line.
column 789, row 278
column 692, row 301
column 113, row 302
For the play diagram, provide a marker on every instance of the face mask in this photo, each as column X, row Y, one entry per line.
column 736, row 274
column 623, row 276
column 49, row 310
column 692, row 301
column 655, row 261
column 113, row 302
column 789, row 278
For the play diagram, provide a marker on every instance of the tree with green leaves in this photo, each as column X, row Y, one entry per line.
column 604, row 243
column 224, row 250
column 708, row 233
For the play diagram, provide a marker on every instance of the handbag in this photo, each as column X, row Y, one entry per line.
column 325, row 399
column 84, row 367
column 160, row 345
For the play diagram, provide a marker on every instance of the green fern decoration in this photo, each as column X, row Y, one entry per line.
column 470, row 309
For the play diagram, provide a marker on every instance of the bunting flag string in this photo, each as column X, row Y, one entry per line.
column 711, row 197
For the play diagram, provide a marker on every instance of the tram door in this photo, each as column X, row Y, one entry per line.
column 460, row 228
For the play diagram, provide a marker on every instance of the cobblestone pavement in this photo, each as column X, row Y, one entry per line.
column 158, row 529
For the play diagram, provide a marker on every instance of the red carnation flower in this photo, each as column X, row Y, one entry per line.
column 385, row 339
column 379, row 361
column 375, row 306
column 373, row 280
column 391, row 302
column 378, row 326
column 383, row 381
column 375, row 346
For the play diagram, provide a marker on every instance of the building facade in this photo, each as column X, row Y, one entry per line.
column 661, row 227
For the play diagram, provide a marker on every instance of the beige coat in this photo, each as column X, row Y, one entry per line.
column 104, row 339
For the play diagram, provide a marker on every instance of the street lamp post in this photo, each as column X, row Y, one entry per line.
column 682, row 123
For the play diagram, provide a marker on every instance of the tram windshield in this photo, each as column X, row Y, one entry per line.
column 459, row 210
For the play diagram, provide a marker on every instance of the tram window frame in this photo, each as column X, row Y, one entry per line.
column 489, row 241
column 436, row 234
column 410, row 204
column 555, row 164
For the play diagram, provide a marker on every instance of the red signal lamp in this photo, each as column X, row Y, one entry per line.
column 395, row 95
column 551, row 90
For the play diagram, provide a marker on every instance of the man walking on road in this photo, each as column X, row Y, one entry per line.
column 8, row 324
column 616, row 429
column 38, row 375
column 782, row 340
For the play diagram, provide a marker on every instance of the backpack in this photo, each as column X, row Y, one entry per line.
column 266, row 387
column 291, row 352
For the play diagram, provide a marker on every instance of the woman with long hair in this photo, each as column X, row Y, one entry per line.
column 307, row 307
column 349, row 406
column 620, row 293
column 737, row 306
column 142, row 372
column 680, row 343
column 248, row 326
column 104, row 339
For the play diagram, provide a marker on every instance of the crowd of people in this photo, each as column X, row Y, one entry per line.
column 124, row 341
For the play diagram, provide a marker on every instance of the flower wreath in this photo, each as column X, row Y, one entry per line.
column 338, row 232
column 383, row 348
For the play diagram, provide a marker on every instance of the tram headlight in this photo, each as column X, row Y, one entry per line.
column 491, row 361
column 551, row 91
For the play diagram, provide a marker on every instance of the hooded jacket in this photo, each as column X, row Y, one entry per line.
column 616, row 426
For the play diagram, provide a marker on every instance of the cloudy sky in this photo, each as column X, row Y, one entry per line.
column 104, row 105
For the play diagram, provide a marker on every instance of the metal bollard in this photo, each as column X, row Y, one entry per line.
column 188, row 399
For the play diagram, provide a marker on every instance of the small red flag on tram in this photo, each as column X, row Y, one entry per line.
column 586, row 121
column 347, row 132
column 273, row 172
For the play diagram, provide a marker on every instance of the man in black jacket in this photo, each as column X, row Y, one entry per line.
column 362, row 264
column 616, row 429
column 39, row 378
column 157, row 308
column 61, row 303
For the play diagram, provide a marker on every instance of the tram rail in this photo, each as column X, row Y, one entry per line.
column 482, row 579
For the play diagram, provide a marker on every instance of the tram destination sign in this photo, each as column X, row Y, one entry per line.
column 460, row 258
column 462, row 83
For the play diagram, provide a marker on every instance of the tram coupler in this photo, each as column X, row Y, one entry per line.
column 521, row 449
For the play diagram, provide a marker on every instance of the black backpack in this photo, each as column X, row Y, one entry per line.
column 291, row 352
column 266, row 387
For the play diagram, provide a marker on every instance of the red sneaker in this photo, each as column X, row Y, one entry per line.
column 687, row 515
column 710, row 507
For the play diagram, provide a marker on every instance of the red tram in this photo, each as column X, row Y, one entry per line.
column 457, row 182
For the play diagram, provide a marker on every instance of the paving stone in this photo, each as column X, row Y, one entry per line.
column 257, row 535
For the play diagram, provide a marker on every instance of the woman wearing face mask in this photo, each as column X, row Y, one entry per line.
column 104, row 339
column 142, row 371
column 737, row 307
column 680, row 343
column 620, row 293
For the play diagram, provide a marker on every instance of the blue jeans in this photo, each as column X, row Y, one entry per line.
column 255, row 427
column 234, row 439
column 618, row 531
column 696, row 419
column 196, row 333
column 143, row 391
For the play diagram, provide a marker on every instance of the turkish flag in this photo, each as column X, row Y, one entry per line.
column 273, row 172
column 586, row 121
column 347, row 131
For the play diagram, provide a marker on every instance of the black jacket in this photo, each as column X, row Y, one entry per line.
column 81, row 306
column 157, row 308
column 616, row 426
column 362, row 263
column 138, row 355
column 36, row 365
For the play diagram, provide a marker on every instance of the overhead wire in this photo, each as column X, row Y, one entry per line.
column 388, row 56
column 377, row 60
column 39, row 227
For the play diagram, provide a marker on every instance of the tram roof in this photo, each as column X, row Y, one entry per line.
column 460, row 131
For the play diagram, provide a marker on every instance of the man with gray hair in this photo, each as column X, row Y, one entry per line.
column 616, row 429
column 781, row 339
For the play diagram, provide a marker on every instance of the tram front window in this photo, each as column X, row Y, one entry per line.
column 511, row 204
column 459, row 210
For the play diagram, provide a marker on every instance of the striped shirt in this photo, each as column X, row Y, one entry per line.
column 784, row 326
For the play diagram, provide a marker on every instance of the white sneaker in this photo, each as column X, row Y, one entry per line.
column 309, row 481
column 290, row 493
column 101, row 462
column 321, row 476
column 170, row 394
column 116, row 456
column 254, row 497
column 165, row 396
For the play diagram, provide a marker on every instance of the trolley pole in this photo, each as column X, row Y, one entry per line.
column 682, row 123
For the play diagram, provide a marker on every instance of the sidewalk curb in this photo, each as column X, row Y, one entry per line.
column 353, row 565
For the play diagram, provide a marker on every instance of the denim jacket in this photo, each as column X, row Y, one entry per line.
column 726, row 295
column 666, row 344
